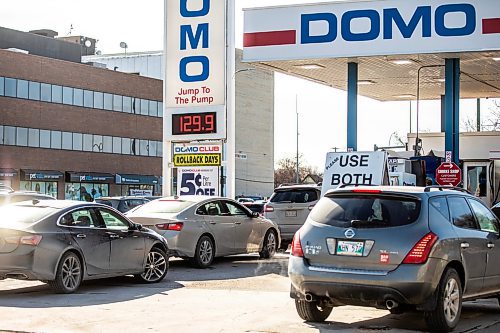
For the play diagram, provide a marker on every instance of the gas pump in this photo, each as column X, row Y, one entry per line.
column 479, row 179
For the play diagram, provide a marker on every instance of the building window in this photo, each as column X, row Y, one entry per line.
column 126, row 146
column 55, row 140
column 44, row 138
column 117, row 103
column 152, row 148
column 46, row 92
column 2, row 85
column 56, row 94
column 159, row 149
column 153, row 108
column 87, row 142
column 68, row 95
column 67, row 140
column 49, row 188
column 88, row 99
column 77, row 141
column 78, row 97
column 98, row 100
column 108, row 102
column 10, row 87
column 22, row 89
column 107, row 144
column 117, row 145
column 1, row 134
column 22, row 137
column 9, row 135
column 143, row 148
column 34, row 91
column 34, row 137
column 144, row 107
column 74, row 191
column 127, row 104
column 97, row 145
column 160, row 109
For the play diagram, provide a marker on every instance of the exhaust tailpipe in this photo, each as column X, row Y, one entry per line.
column 390, row 304
column 309, row 297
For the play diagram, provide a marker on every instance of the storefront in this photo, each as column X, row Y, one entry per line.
column 87, row 186
column 143, row 185
column 7, row 176
column 41, row 181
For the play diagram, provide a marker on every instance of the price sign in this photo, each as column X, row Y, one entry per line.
column 194, row 123
column 198, row 181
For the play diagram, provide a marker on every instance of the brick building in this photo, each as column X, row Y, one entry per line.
column 67, row 127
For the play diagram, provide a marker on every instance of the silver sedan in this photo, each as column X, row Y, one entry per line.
column 201, row 228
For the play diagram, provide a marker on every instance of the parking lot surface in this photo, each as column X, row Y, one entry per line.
column 236, row 294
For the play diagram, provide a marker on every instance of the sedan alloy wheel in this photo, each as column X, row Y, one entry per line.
column 156, row 267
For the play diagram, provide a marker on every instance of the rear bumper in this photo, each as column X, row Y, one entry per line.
column 17, row 266
column 407, row 284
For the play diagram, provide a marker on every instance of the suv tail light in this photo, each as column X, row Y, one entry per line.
column 420, row 252
column 268, row 209
column 170, row 226
column 296, row 246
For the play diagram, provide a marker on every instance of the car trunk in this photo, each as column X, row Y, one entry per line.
column 359, row 232
column 9, row 240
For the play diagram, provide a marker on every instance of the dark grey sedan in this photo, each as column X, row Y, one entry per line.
column 66, row 242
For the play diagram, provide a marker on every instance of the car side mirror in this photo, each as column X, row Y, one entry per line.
column 136, row 226
column 255, row 214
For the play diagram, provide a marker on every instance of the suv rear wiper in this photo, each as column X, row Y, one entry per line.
column 368, row 224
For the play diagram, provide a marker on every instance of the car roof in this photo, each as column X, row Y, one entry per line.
column 298, row 186
column 58, row 204
column 120, row 197
column 194, row 198
column 402, row 189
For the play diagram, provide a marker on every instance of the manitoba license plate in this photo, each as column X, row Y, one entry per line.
column 350, row 248
column 291, row 213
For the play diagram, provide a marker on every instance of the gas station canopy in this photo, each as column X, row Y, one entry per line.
column 388, row 39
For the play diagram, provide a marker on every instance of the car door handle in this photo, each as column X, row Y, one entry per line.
column 237, row 222
column 490, row 245
column 464, row 245
column 114, row 236
column 212, row 222
column 81, row 236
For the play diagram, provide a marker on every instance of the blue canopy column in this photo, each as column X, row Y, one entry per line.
column 451, row 105
column 352, row 106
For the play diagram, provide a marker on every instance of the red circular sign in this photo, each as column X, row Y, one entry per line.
column 448, row 174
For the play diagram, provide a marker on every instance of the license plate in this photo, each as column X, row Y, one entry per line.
column 350, row 248
column 291, row 213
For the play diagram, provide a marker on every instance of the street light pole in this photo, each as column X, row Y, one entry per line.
column 297, row 162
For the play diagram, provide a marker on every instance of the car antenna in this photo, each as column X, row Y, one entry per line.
column 35, row 201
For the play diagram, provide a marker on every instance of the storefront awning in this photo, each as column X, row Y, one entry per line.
column 127, row 179
column 7, row 173
column 90, row 177
column 41, row 175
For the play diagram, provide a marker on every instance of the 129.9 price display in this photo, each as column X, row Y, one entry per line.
column 198, row 181
column 194, row 123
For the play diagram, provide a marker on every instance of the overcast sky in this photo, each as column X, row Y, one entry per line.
column 322, row 110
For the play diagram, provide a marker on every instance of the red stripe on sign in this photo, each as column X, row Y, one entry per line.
column 284, row 37
column 491, row 26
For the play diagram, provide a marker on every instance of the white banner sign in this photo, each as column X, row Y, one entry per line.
column 195, row 53
column 356, row 168
column 371, row 28
column 198, row 181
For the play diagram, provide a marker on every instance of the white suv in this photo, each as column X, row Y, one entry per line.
column 289, row 207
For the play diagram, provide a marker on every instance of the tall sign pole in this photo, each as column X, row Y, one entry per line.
column 198, row 82
column 230, row 101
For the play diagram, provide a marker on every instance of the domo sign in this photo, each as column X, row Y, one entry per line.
column 371, row 28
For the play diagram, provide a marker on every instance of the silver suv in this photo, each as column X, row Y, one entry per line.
column 397, row 248
column 289, row 207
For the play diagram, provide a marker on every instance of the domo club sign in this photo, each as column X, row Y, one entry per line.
column 371, row 28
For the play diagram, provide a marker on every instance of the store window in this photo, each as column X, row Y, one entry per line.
column 78, row 97
column 68, row 95
column 10, row 87
column 34, row 91
column 22, row 89
column 45, row 92
column 85, row 191
column 56, row 94
column 49, row 188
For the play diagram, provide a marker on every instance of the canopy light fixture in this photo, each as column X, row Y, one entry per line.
column 402, row 61
column 365, row 82
column 309, row 66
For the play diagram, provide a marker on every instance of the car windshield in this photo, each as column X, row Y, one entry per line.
column 163, row 206
column 294, row 196
column 361, row 211
column 19, row 214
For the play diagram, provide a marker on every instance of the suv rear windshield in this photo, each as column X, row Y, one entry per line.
column 294, row 196
column 363, row 211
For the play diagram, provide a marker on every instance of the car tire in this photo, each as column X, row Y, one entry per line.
column 204, row 252
column 155, row 268
column 68, row 275
column 312, row 311
column 270, row 245
column 446, row 315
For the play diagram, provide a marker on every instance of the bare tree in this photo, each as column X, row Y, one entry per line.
column 286, row 171
column 492, row 123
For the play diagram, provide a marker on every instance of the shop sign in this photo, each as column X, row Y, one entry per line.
column 198, row 181
column 343, row 29
column 355, row 168
column 196, row 154
column 137, row 192
column 448, row 174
